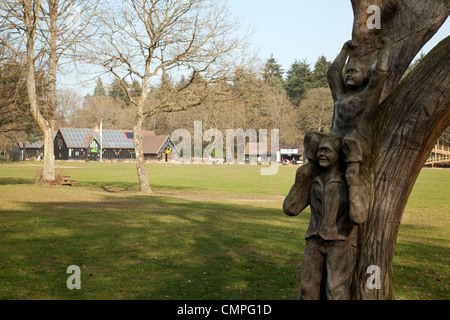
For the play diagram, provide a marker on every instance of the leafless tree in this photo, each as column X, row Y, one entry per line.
column 41, row 33
column 146, row 40
column 316, row 111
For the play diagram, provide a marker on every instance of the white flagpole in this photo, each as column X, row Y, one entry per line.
column 101, row 140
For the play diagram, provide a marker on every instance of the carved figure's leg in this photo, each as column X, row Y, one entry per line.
column 353, row 149
column 313, row 262
column 340, row 263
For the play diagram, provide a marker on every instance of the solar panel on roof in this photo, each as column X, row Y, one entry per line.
column 129, row 135
column 77, row 138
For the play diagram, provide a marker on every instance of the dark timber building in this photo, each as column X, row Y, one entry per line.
column 115, row 145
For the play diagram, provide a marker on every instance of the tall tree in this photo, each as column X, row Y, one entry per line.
column 44, row 32
column 316, row 111
column 68, row 104
column 15, row 113
column 274, row 73
column 117, row 90
column 319, row 77
column 147, row 38
column 298, row 80
column 412, row 115
column 99, row 89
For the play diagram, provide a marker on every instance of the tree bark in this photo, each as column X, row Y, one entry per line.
column 142, row 172
column 411, row 117
column 30, row 19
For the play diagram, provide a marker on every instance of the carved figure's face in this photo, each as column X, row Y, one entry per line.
column 355, row 75
column 327, row 155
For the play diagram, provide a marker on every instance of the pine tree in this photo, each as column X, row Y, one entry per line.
column 99, row 88
column 117, row 91
column 273, row 73
column 320, row 73
column 299, row 79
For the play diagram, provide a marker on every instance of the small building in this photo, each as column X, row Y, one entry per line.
column 158, row 148
column 291, row 154
column 31, row 150
column 85, row 144
column 114, row 145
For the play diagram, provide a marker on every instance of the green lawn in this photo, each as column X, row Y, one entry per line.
column 207, row 232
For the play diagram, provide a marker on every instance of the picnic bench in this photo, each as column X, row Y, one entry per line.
column 67, row 181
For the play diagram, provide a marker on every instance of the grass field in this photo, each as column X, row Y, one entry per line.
column 207, row 232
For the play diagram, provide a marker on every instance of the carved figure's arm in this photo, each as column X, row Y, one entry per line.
column 298, row 198
column 376, row 82
column 383, row 56
column 335, row 78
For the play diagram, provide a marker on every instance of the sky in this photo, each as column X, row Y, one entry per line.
column 302, row 29
column 290, row 30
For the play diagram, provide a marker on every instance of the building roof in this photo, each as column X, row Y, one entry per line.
column 80, row 138
column 130, row 133
column 33, row 145
column 111, row 139
column 153, row 144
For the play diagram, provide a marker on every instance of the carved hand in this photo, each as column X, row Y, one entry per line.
column 351, row 45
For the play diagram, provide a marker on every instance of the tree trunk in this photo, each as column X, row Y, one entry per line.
column 31, row 18
column 142, row 172
column 48, row 175
column 411, row 117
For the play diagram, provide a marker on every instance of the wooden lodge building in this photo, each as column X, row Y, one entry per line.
column 116, row 145
column 30, row 150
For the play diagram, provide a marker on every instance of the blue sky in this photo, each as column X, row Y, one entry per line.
column 302, row 29
column 290, row 30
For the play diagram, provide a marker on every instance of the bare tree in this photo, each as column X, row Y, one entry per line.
column 143, row 40
column 112, row 110
column 67, row 106
column 40, row 34
column 316, row 111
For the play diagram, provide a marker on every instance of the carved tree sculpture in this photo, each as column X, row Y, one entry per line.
column 413, row 113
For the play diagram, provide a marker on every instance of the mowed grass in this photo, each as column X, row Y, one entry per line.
column 207, row 232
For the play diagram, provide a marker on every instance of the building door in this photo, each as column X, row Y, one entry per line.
column 93, row 151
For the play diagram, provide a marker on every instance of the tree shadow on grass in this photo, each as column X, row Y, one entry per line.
column 121, row 186
column 167, row 248
column 158, row 248
column 14, row 181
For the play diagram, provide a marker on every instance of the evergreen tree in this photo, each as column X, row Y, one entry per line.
column 272, row 69
column 135, row 89
column 99, row 88
column 15, row 115
column 299, row 79
column 320, row 73
column 273, row 73
column 117, row 91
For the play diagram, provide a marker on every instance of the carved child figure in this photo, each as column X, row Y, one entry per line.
column 356, row 99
